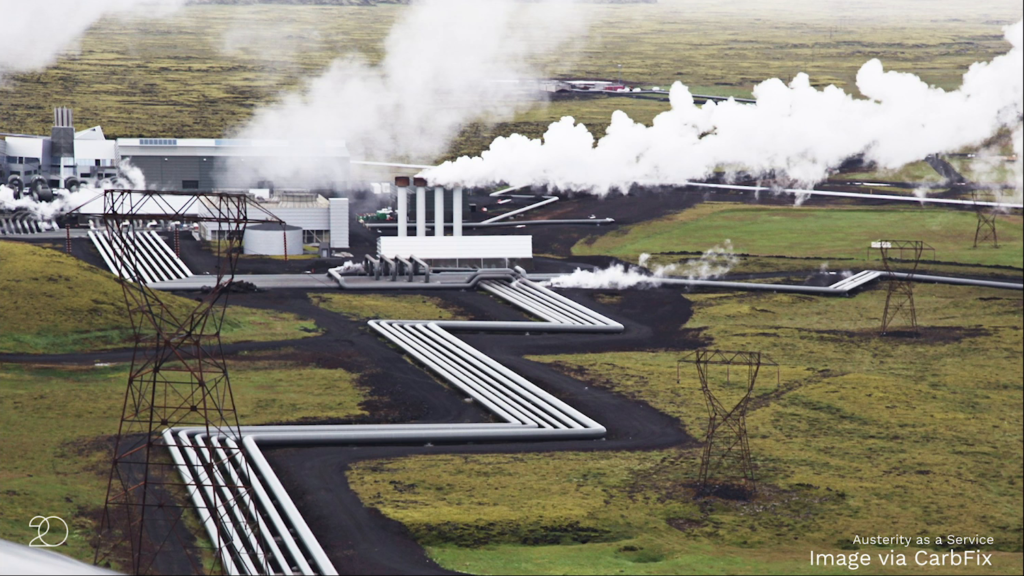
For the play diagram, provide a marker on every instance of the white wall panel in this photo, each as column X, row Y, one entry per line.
column 456, row 247
column 339, row 222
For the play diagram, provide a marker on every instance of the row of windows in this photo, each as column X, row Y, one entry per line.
column 158, row 141
column 21, row 160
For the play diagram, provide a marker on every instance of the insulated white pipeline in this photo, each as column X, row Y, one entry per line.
column 534, row 302
column 494, row 405
column 542, row 301
column 180, row 270
column 246, row 535
column 548, row 418
column 547, row 200
column 204, row 513
column 801, row 191
column 562, row 406
column 506, row 294
column 280, row 528
column 600, row 318
column 529, row 414
column 560, row 302
column 250, row 505
column 305, row 535
column 230, row 537
column 454, row 369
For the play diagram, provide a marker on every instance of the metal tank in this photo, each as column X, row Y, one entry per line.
column 271, row 239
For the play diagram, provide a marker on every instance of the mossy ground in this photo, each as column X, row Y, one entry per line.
column 863, row 435
column 838, row 234
column 387, row 306
column 55, row 303
column 56, row 423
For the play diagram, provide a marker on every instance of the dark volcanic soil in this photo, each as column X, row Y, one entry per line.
column 362, row 541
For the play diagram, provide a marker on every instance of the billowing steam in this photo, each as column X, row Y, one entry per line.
column 36, row 32
column 447, row 63
column 795, row 130
column 715, row 262
column 66, row 200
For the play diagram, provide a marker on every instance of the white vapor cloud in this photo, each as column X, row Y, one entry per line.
column 65, row 200
column 714, row 263
column 36, row 32
column 795, row 130
column 446, row 63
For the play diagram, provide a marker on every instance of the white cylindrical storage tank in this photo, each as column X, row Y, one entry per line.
column 270, row 239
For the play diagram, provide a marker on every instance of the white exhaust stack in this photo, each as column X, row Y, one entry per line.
column 457, row 211
column 438, row 211
column 402, row 183
column 421, row 206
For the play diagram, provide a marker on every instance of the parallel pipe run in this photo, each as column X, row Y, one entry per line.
column 800, row 192
column 265, row 531
column 556, row 221
column 547, row 200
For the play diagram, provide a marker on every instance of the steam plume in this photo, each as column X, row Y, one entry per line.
column 36, row 32
column 65, row 200
column 793, row 129
column 447, row 63
column 715, row 262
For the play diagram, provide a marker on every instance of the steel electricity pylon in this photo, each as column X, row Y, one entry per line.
column 899, row 296
column 725, row 463
column 178, row 378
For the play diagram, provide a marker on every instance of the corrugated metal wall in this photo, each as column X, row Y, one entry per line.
column 313, row 218
column 339, row 222
column 172, row 172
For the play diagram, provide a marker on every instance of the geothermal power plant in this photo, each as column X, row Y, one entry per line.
column 410, row 314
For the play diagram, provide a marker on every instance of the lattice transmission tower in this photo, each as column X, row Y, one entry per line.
column 725, row 463
column 178, row 378
column 899, row 296
column 986, row 229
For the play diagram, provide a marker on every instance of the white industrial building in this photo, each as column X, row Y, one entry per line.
column 60, row 160
column 439, row 249
column 226, row 163
column 321, row 221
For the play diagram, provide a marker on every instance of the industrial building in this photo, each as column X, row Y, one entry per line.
column 65, row 158
column 225, row 163
column 439, row 249
column 310, row 218
column 39, row 164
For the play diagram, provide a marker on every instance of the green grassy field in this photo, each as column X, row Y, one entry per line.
column 865, row 435
column 805, row 232
column 55, row 303
column 203, row 70
column 390, row 306
column 57, row 422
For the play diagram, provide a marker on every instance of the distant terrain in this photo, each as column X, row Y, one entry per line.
column 202, row 71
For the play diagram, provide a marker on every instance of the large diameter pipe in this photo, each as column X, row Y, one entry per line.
column 960, row 281
column 457, row 211
column 801, row 191
column 402, row 184
column 288, row 507
column 421, row 207
column 193, row 491
column 500, row 217
column 438, row 211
